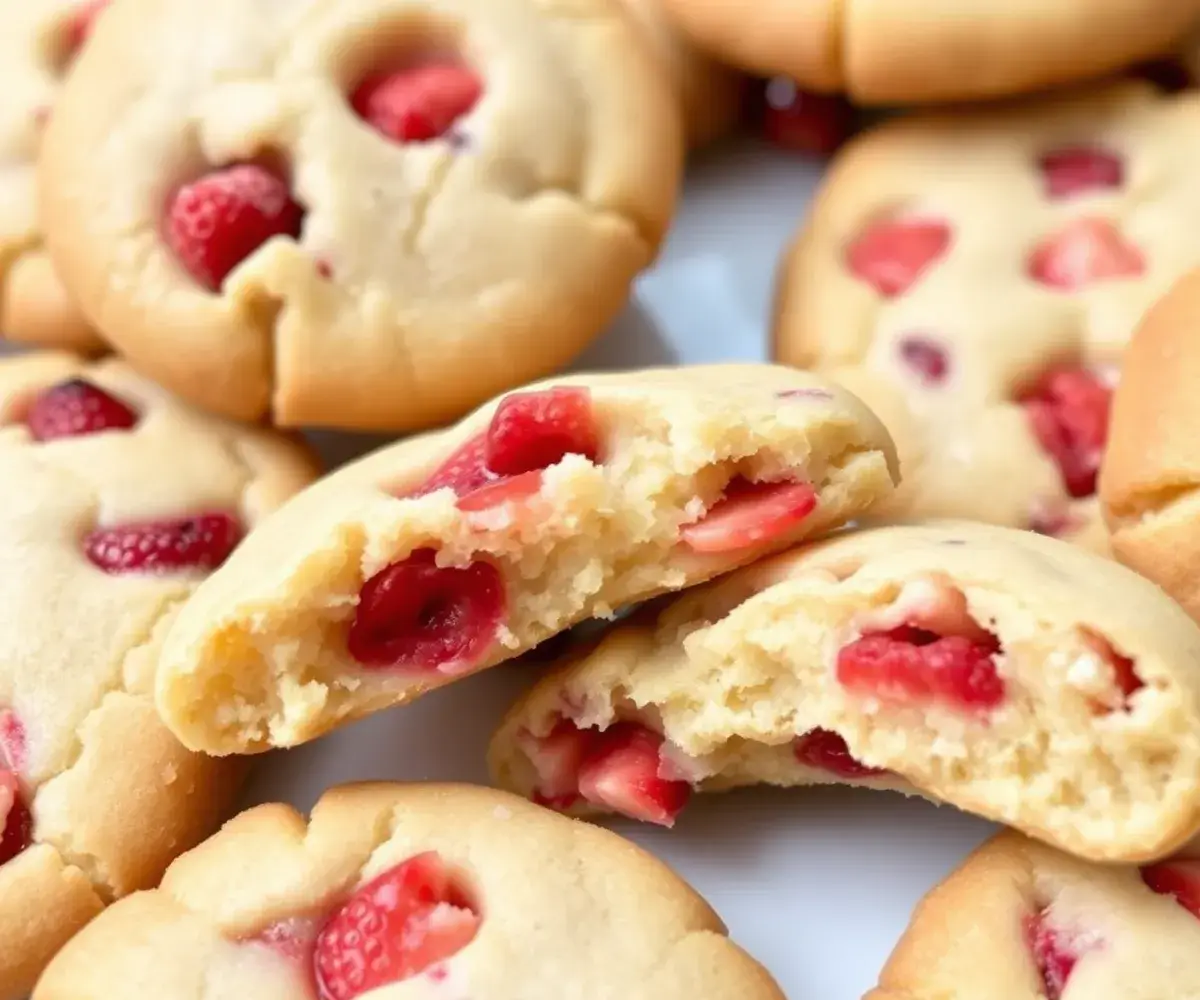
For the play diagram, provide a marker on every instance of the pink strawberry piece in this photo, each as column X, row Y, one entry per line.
column 827, row 751
column 1068, row 410
column 535, row 430
column 79, row 25
column 750, row 514
column 1180, row 879
column 1076, row 170
column 417, row 104
column 416, row 614
column 1084, row 252
column 913, row 664
column 16, row 821
column 13, row 750
column 1053, row 954
column 75, row 408
column 926, row 357
column 515, row 489
column 201, row 542
column 892, row 254
column 292, row 938
column 217, row 221
column 620, row 772
column 557, row 758
column 394, row 927
column 804, row 122
column 1052, row 519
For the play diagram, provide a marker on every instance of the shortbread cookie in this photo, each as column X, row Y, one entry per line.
column 360, row 213
column 440, row 556
column 1010, row 675
column 975, row 278
column 908, row 51
column 39, row 40
column 116, row 501
column 1020, row 920
column 453, row 891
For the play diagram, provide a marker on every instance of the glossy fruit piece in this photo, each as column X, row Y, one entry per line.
column 417, row 104
column 827, row 751
column 75, row 408
column 1068, row 411
column 13, row 747
column 557, row 758
column 925, row 356
column 1053, row 954
column 16, row 821
column 1077, row 170
column 513, row 490
column 804, row 122
column 891, row 255
column 750, row 514
column 1084, row 252
column 620, row 772
column 200, row 542
column 80, row 23
column 1180, row 879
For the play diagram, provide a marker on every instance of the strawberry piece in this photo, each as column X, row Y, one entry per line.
column 417, row 614
column 1068, row 410
column 926, row 357
column 914, row 664
column 1084, row 252
column 1180, row 879
column 463, row 472
column 16, row 821
column 80, row 23
column 512, row 490
column 892, row 254
column 1054, row 955
column 75, row 408
column 1076, row 170
column 557, row 758
column 417, row 104
column 620, row 772
column 202, row 542
column 293, row 938
column 12, row 740
column 827, row 751
column 217, row 221
column 804, row 122
column 394, row 927
column 535, row 430
column 750, row 514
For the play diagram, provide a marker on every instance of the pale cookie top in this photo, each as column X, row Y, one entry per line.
column 1021, row 920
column 496, row 899
column 1011, row 675
column 906, row 51
column 446, row 554
column 471, row 222
column 976, row 276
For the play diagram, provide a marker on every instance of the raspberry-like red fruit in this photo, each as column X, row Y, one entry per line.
column 1054, row 956
column 891, row 255
column 217, row 221
column 417, row 104
column 804, row 122
column 393, row 928
column 74, row 408
column 925, row 357
column 417, row 614
column 914, row 664
column 1180, row 879
column 620, row 772
column 750, row 514
column 201, row 542
column 80, row 23
column 535, row 430
column 1068, row 409
column 1076, row 170
column 16, row 821
column 827, row 751
column 1082, row 253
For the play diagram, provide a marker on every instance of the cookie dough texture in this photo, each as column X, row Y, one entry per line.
column 567, row 908
column 114, row 796
column 912, row 51
column 34, row 306
column 428, row 275
column 966, row 448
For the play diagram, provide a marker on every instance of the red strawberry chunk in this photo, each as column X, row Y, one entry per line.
column 393, row 928
column 1180, row 879
column 926, row 357
column 892, row 254
column 464, row 471
column 1054, row 953
column 1076, row 170
column 74, row 408
column 799, row 120
column 12, row 741
column 620, row 772
column 419, row 615
column 1068, row 410
column 1084, row 252
column 16, row 821
column 535, row 430
column 80, row 23
column 913, row 664
column 200, row 542
column 557, row 758
column 750, row 514
column 217, row 221
column 417, row 104
column 513, row 490
column 827, row 751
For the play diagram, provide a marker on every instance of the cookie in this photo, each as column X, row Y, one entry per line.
column 117, row 500
column 1013, row 676
column 440, row 556
column 358, row 213
column 452, row 890
column 1020, row 920
column 975, row 277
column 39, row 40
column 912, row 51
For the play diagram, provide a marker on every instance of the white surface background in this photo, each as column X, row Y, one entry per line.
column 818, row 885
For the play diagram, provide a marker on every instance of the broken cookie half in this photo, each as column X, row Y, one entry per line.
column 1010, row 675
column 443, row 555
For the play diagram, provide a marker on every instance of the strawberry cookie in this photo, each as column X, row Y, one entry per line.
column 1020, row 920
column 410, row 891
column 975, row 278
column 909, row 51
column 116, row 501
column 39, row 40
column 1010, row 675
column 358, row 213
column 440, row 556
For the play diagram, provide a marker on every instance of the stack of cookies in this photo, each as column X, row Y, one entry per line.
column 946, row 545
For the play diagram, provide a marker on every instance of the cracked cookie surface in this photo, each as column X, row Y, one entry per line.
column 370, row 214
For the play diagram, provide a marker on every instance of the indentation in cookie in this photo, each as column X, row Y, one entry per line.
column 748, row 514
column 418, row 103
column 75, row 408
column 892, row 254
column 197, row 542
column 1055, row 951
column 16, row 821
column 1179, row 879
column 803, row 121
column 926, row 357
column 827, row 751
column 1071, row 171
column 1068, row 410
column 1085, row 252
